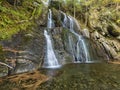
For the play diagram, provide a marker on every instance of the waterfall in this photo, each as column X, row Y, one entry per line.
column 77, row 46
column 64, row 23
column 80, row 51
column 81, row 45
column 50, row 23
column 85, row 50
column 64, row 1
column 50, row 59
column 71, row 24
column 46, row 2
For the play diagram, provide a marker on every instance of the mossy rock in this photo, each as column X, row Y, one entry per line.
column 113, row 31
column 3, row 71
column 2, row 58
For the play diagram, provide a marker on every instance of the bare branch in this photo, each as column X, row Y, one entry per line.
column 6, row 65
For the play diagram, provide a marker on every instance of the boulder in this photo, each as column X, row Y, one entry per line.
column 113, row 30
column 85, row 32
column 109, row 50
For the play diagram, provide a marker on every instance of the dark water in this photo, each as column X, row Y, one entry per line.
column 101, row 76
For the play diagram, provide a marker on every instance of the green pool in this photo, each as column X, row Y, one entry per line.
column 101, row 76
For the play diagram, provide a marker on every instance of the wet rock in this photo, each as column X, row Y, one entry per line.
column 111, row 46
column 95, row 35
column 3, row 71
column 59, row 47
column 117, row 57
column 25, row 67
column 110, row 51
column 85, row 33
column 112, row 31
column 115, row 45
column 115, row 85
column 27, row 48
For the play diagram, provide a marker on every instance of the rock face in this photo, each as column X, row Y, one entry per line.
column 105, row 29
column 25, row 51
column 62, row 41
column 111, row 45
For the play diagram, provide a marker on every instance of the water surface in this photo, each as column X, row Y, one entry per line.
column 101, row 76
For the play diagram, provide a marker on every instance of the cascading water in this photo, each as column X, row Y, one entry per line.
column 64, row 23
column 64, row 1
column 50, row 23
column 77, row 45
column 80, row 52
column 50, row 59
column 46, row 2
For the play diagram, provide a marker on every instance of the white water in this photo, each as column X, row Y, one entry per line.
column 50, row 23
column 46, row 2
column 50, row 59
column 64, row 23
column 81, row 45
column 85, row 51
column 87, row 57
column 64, row 1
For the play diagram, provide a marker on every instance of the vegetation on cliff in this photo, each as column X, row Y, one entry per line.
column 19, row 16
column 93, row 12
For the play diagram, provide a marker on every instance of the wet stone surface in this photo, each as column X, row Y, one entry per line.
column 24, row 51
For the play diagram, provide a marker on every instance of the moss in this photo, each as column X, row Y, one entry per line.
column 13, row 20
column 2, row 58
column 64, row 34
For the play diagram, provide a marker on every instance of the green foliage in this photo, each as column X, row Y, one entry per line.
column 12, row 20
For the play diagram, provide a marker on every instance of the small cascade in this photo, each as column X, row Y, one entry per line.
column 46, row 2
column 71, row 24
column 50, row 59
column 64, row 23
column 50, row 23
column 80, row 51
column 65, row 2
